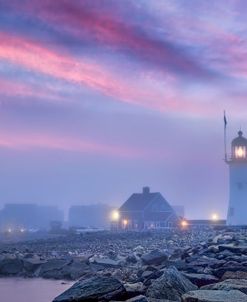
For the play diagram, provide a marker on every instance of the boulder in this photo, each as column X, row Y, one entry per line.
column 134, row 289
column 139, row 250
column 229, row 284
column 146, row 274
column 11, row 266
column 52, row 269
column 240, row 249
column 206, row 262
column 107, row 262
column 159, row 300
column 234, row 275
column 155, row 257
column 201, row 279
column 32, row 264
column 214, row 296
column 229, row 267
column 222, row 238
column 97, row 288
column 179, row 264
column 213, row 249
column 139, row 298
column 155, row 275
column 171, row 285
column 131, row 259
column 75, row 270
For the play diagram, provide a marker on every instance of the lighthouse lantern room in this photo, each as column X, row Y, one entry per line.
column 239, row 147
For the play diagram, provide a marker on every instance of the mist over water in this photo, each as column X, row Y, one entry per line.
column 30, row 290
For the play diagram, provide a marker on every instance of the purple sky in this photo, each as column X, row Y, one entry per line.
column 99, row 98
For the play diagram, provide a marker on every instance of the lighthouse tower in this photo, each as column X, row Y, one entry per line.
column 237, row 210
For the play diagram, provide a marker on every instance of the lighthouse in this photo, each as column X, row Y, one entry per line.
column 237, row 210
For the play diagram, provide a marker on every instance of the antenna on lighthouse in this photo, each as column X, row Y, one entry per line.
column 225, row 124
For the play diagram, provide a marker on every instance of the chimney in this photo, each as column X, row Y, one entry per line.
column 145, row 190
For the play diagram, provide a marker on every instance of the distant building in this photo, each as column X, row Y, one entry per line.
column 48, row 214
column 90, row 216
column 56, row 226
column 206, row 222
column 147, row 210
column 28, row 216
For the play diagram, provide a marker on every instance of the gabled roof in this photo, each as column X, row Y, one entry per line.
column 139, row 201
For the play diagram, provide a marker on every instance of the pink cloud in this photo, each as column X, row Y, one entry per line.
column 26, row 141
column 150, row 91
column 35, row 57
column 106, row 26
column 15, row 89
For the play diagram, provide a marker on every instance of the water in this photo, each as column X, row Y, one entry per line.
column 30, row 290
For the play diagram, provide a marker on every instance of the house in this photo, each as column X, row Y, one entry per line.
column 147, row 210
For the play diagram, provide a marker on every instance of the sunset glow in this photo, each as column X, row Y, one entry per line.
column 116, row 94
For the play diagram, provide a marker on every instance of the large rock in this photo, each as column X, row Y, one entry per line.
column 171, row 285
column 155, row 257
column 201, row 279
column 234, row 275
column 229, row 285
column 159, row 300
column 206, row 262
column 75, row 270
column 32, row 264
column 221, row 238
column 53, row 269
column 11, row 267
column 93, row 289
column 107, row 262
column 155, row 275
column 134, row 289
column 131, row 258
column 140, row 298
column 214, row 296
column 240, row 249
column 229, row 267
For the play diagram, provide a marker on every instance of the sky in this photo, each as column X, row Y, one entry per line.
column 100, row 98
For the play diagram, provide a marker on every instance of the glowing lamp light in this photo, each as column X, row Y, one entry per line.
column 22, row 230
column 184, row 223
column 125, row 222
column 115, row 215
column 9, row 230
column 240, row 152
column 215, row 217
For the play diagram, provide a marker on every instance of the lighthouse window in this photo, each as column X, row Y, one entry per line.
column 240, row 152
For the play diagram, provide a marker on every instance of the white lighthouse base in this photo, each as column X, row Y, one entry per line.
column 237, row 210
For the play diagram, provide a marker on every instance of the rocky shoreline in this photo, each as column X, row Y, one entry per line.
column 178, row 265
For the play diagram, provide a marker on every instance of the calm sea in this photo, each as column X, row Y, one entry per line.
column 30, row 290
